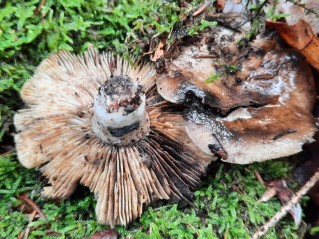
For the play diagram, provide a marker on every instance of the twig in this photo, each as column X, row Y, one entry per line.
column 258, row 10
column 283, row 211
column 197, row 56
column 7, row 153
column 259, row 178
column 37, row 11
column 27, row 230
column 202, row 8
column 25, row 233
column 31, row 203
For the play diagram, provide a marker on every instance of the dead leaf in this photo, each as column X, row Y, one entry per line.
column 202, row 41
column 32, row 204
column 159, row 51
column 220, row 4
column 280, row 189
column 285, row 194
column 105, row 234
column 301, row 37
column 270, row 193
column 53, row 233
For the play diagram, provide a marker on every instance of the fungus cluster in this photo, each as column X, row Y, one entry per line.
column 99, row 121
column 134, row 138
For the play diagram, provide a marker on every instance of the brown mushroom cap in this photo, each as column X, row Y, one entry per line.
column 258, row 108
column 55, row 130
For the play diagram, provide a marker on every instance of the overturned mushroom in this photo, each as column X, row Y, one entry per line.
column 293, row 12
column 96, row 120
column 248, row 101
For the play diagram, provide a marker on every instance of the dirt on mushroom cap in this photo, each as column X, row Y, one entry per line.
column 248, row 101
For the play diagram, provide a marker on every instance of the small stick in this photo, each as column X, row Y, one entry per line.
column 25, row 233
column 197, row 56
column 27, row 230
column 283, row 211
column 259, row 178
column 202, row 8
column 31, row 203
column 37, row 11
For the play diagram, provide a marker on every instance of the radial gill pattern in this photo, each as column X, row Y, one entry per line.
column 153, row 160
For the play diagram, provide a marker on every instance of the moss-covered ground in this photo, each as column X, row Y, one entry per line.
column 226, row 204
column 225, row 207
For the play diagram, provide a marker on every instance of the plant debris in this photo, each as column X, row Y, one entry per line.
column 32, row 204
column 287, row 207
column 301, row 37
column 105, row 234
column 280, row 188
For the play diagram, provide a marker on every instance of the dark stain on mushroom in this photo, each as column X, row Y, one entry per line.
column 218, row 149
column 278, row 136
column 118, row 132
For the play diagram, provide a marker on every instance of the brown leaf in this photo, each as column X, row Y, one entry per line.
column 301, row 37
column 105, row 234
column 220, row 4
column 283, row 192
column 32, row 204
column 53, row 233
column 280, row 188
column 268, row 194
column 159, row 52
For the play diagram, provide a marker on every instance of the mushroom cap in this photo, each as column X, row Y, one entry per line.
column 258, row 105
column 55, row 131
column 306, row 10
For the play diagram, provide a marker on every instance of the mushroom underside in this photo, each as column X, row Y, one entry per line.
column 55, row 132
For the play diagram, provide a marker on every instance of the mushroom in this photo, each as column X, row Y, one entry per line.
column 247, row 101
column 293, row 12
column 98, row 120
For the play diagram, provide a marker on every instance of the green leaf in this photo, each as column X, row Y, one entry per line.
column 212, row 77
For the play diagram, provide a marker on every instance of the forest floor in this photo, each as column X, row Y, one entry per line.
column 225, row 206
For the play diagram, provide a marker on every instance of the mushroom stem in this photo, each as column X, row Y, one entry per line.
column 119, row 112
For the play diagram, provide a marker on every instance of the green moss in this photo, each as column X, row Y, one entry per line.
column 74, row 218
column 224, row 207
column 72, row 24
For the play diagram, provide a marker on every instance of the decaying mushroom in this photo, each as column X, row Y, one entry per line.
column 307, row 10
column 248, row 101
column 98, row 121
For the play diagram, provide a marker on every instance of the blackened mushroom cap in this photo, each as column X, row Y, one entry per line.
column 247, row 101
column 127, row 167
